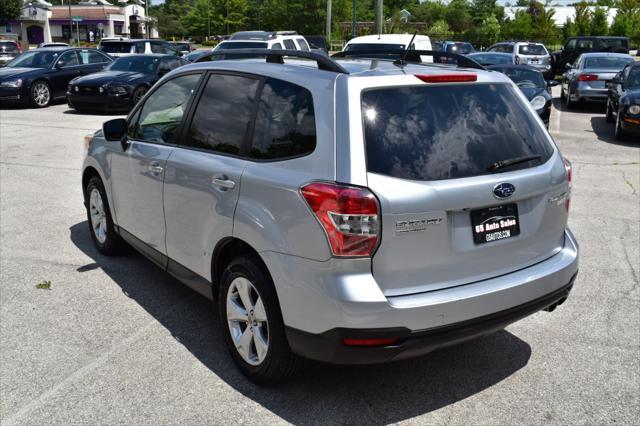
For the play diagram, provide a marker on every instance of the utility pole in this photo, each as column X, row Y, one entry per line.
column 148, row 19
column 328, row 26
column 70, row 23
column 379, row 17
column 208, row 19
column 355, row 18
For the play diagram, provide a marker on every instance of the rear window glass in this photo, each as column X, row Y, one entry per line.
column 373, row 46
column 614, row 44
column 448, row 131
column 606, row 63
column 242, row 45
column 460, row 48
column 116, row 47
column 532, row 49
column 8, row 47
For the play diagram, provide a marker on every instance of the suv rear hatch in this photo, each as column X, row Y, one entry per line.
column 452, row 213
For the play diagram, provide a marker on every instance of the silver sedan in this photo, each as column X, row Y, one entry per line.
column 586, row 79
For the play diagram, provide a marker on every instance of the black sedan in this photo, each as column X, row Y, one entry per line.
column 532, row 84
column 122, row 84
column 40, row 76
column 623, row 102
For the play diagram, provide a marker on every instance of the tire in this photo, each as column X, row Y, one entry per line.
column 568, row 104
column 619, row 134
column 103, row 234
column 138, row 94
column 609, row 114
column 40, row 94
column 250, row 314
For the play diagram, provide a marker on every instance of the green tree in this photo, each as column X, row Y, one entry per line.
column 519, row 26
column 458, row 15
column 440, row 29
column 491, row 29
column 10, row 9
column 429, row 12
column 569, row 29
column 582, row 19
column 599, row 24
column 627, row 20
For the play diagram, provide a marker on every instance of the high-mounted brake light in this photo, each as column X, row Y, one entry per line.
column 569, row 172
column 349, row 216
column 587, row 77
column 446, row 78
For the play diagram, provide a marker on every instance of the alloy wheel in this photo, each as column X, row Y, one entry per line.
column 247, row 321
column 41, row 94
column 98, row 216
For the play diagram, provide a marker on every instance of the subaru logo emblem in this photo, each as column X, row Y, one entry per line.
column 503, row 190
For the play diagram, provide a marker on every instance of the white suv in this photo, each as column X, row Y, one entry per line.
column 281, row 40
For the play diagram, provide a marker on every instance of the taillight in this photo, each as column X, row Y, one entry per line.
column 568, row 170
column 587, row 77
column 447, row 78
column 349, row 215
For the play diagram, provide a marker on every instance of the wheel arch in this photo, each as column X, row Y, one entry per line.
column 225, row 251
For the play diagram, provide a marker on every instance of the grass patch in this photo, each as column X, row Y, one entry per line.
column 44, row 285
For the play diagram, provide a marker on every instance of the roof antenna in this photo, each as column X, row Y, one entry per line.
column 402, row 60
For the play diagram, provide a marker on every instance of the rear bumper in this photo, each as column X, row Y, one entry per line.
column 329, row 347
column 590, row 95
column 322, row 303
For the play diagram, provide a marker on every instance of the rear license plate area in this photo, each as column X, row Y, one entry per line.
column 495, row 223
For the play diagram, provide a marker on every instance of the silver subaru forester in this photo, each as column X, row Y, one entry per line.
column 349, row 211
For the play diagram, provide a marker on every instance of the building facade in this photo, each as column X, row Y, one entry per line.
column 88, row 21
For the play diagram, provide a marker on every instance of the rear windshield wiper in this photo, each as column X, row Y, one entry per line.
column 512, row 161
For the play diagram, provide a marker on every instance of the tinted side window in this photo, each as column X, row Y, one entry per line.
column 223, row 114
column 92, row 57
column 277, row 46
column 571, row 45
column 139, row 47
column 160, row 118
column 285, row 123
column 289, row 45
column 448, row 132
column 69, row 59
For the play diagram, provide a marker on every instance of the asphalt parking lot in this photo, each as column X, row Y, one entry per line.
column 117, row 341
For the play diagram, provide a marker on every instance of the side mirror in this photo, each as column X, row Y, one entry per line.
column 59, row 65
column 116, row 131
column 616, row 80
column 552, row 83
column 568, row 66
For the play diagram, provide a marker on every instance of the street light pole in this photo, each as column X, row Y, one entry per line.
column 146, row 15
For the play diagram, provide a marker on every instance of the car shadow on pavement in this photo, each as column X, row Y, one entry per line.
column 72, row 111
column 605, row 132
column 582, row 108
column 320, row 393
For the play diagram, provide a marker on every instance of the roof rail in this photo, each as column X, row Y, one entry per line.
column 276, row 56
column 285, row 33
column 413, row 56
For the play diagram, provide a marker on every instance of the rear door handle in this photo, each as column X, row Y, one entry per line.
column 223, row 182
column 155, row 168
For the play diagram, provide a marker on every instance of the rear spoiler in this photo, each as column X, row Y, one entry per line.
column 401, row 57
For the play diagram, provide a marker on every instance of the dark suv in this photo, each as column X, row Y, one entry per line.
column 575, row 46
